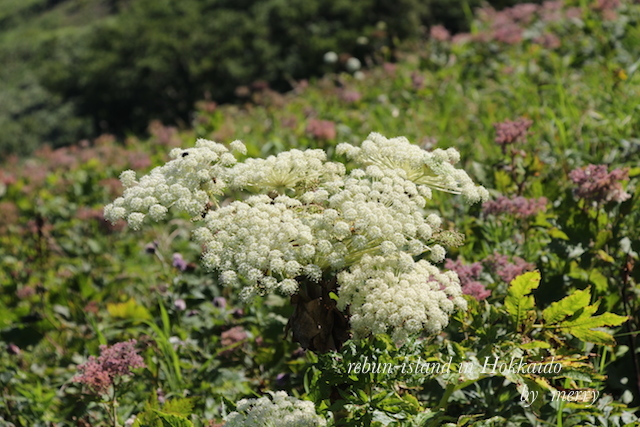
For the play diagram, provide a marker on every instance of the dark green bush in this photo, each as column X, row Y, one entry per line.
column 151, row 59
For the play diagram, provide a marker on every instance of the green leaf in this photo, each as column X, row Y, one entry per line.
column 519, row 300
column 170, row 420
column 179, row 406
column 558, row 234
column 600, row 280
column 584, row 326
column 129, row 310
column 535, row 344
column 567, row 306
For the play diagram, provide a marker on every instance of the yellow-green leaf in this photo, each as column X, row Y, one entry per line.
column 519, row 300
column 598, row 279
column 129, row 310
column 535, row 344
column 584, row 326
column 567, row 306
column 605, row 256
column 558, row 234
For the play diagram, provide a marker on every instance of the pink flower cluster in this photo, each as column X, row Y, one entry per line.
column 469, row 275
column 230, row 337
column 439, row 33
column 596, row 184
column 520, row 207
column 350, row 96
column 512, row 131
column 114, row 362
column 505, row 269
column 323, row 130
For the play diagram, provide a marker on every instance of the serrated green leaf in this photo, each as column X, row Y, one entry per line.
column 584, row 326
column 567, row 306
column 170, row 420
column 519, row 300
column 178, row 406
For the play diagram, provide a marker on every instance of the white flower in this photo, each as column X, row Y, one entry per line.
column 135, row 220
column 330, row 57
column 353, row 64
column 417, row 298
column 128, row 178
column 281, row 410
column 238, row 146
column 297, row 216
column 157, row 212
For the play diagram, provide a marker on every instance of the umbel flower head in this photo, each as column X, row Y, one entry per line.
column 281, row 410
column 306, row 227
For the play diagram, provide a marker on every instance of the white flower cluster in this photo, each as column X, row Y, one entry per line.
column 431, row 169
column 187, row 183
column 308, row 219
column 281, row 410
column 399, row 294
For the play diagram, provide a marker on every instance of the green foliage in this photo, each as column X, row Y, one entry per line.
column 518, row 301
column 75, row 69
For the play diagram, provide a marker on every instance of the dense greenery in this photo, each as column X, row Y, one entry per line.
column 74, row 69
column 70, row 281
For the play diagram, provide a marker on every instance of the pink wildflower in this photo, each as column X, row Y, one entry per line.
column 469, row 275
column 439, row 33
column 596, row 184
column 230, row 337
column 523, row 12
column 510, row 132
column 417, row 80
column 350, row 96
column 114, row 362
column 548, row 41
column 389, row 68
column 505, row 269
column 520, row 207
column 323, row 130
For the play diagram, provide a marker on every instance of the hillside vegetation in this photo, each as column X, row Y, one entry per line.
column 73, row 69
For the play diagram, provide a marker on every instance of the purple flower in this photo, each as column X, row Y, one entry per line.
column 520, row 207
column 510, row 132
column 469, row 275
column 114, row 362
column 594, row 183
column 219, row 302
column 505, row 269
column 150, row 248
column 180, row 304
column 179, row 262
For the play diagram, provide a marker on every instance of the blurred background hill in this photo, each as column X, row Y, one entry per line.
column 75, row 69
